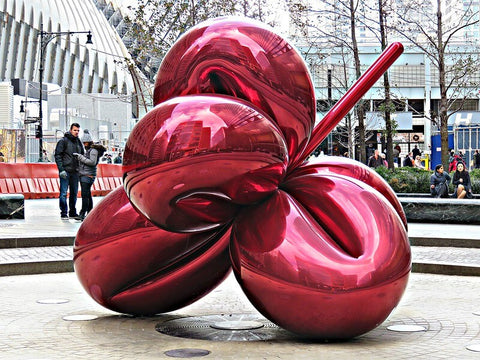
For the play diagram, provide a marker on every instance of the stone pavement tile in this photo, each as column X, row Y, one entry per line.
column 30, row 330
column 442, row 230
column 46, row 253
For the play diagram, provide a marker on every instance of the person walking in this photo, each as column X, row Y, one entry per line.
column 439, row 182
column 88, row 171
column 67, row 165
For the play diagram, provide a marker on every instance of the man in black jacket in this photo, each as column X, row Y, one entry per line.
column 375, row 160
column 68, row 170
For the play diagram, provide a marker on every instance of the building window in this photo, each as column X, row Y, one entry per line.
column 416, row 106
column 407, row 76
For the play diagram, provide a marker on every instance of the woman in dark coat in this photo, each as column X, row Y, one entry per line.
column 88, row 171
column 461, row 180
column 439, row 182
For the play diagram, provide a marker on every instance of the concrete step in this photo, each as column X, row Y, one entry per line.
column 461, row 242
column 446, row 260
column 53, row 259
column 36, row 241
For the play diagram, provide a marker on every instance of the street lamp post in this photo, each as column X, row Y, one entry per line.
column 45, row 38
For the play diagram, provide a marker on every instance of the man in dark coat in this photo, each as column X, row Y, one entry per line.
column 416, row 152
column 375, row 160
column 68, row 170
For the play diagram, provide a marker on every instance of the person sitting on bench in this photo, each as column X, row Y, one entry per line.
column 439, row 182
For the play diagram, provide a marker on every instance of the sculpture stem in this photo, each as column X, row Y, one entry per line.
column 351, row 97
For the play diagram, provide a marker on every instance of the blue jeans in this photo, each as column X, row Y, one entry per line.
column 70, row 182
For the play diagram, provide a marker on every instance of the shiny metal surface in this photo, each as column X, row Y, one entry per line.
column 129, row 265
column 192, row 160
column 322, row 252
column 246, row 60
column 344, row 166
column 330, row 260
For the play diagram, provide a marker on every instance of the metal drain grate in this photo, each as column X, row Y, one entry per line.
column 224, row 327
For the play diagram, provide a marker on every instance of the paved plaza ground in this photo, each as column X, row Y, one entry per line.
column 36, row 310
column 444, row 305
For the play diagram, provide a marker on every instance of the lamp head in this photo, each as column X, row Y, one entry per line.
column 89, row 38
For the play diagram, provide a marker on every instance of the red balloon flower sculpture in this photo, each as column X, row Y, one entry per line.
column 214, row 176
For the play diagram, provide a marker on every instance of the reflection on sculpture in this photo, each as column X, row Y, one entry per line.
column 214, row 176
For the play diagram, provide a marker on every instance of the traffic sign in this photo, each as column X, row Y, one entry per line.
column 31, row 120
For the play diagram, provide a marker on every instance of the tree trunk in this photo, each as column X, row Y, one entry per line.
column 386, row 86
column 442, row 113
column 359, row 108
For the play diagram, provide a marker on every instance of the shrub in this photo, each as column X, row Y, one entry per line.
column 414, row 180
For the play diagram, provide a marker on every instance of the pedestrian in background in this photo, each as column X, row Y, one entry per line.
column 418, row 163
column 416, row 152
column 67, row 165
column 453, row 160
column 439, row 182
column 384, row 159
column 409, row 160
column 461, row 180
column 118, row 159
column 397, row 155
column 375, row 160
column 88, row 171
column 476, row 160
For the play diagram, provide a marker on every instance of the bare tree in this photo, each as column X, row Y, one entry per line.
column 335, row 27
column 425, row 26
column 255, row 9
column 157, row 24
column 387, row 110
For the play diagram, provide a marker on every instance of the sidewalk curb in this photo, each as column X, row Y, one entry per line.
column 40, row 267
column 8, row 243
column 446, row 269
column 443, row 242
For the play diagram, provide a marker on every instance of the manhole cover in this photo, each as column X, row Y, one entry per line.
column 186, row 353
column 224, row 327
column 406, row 328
